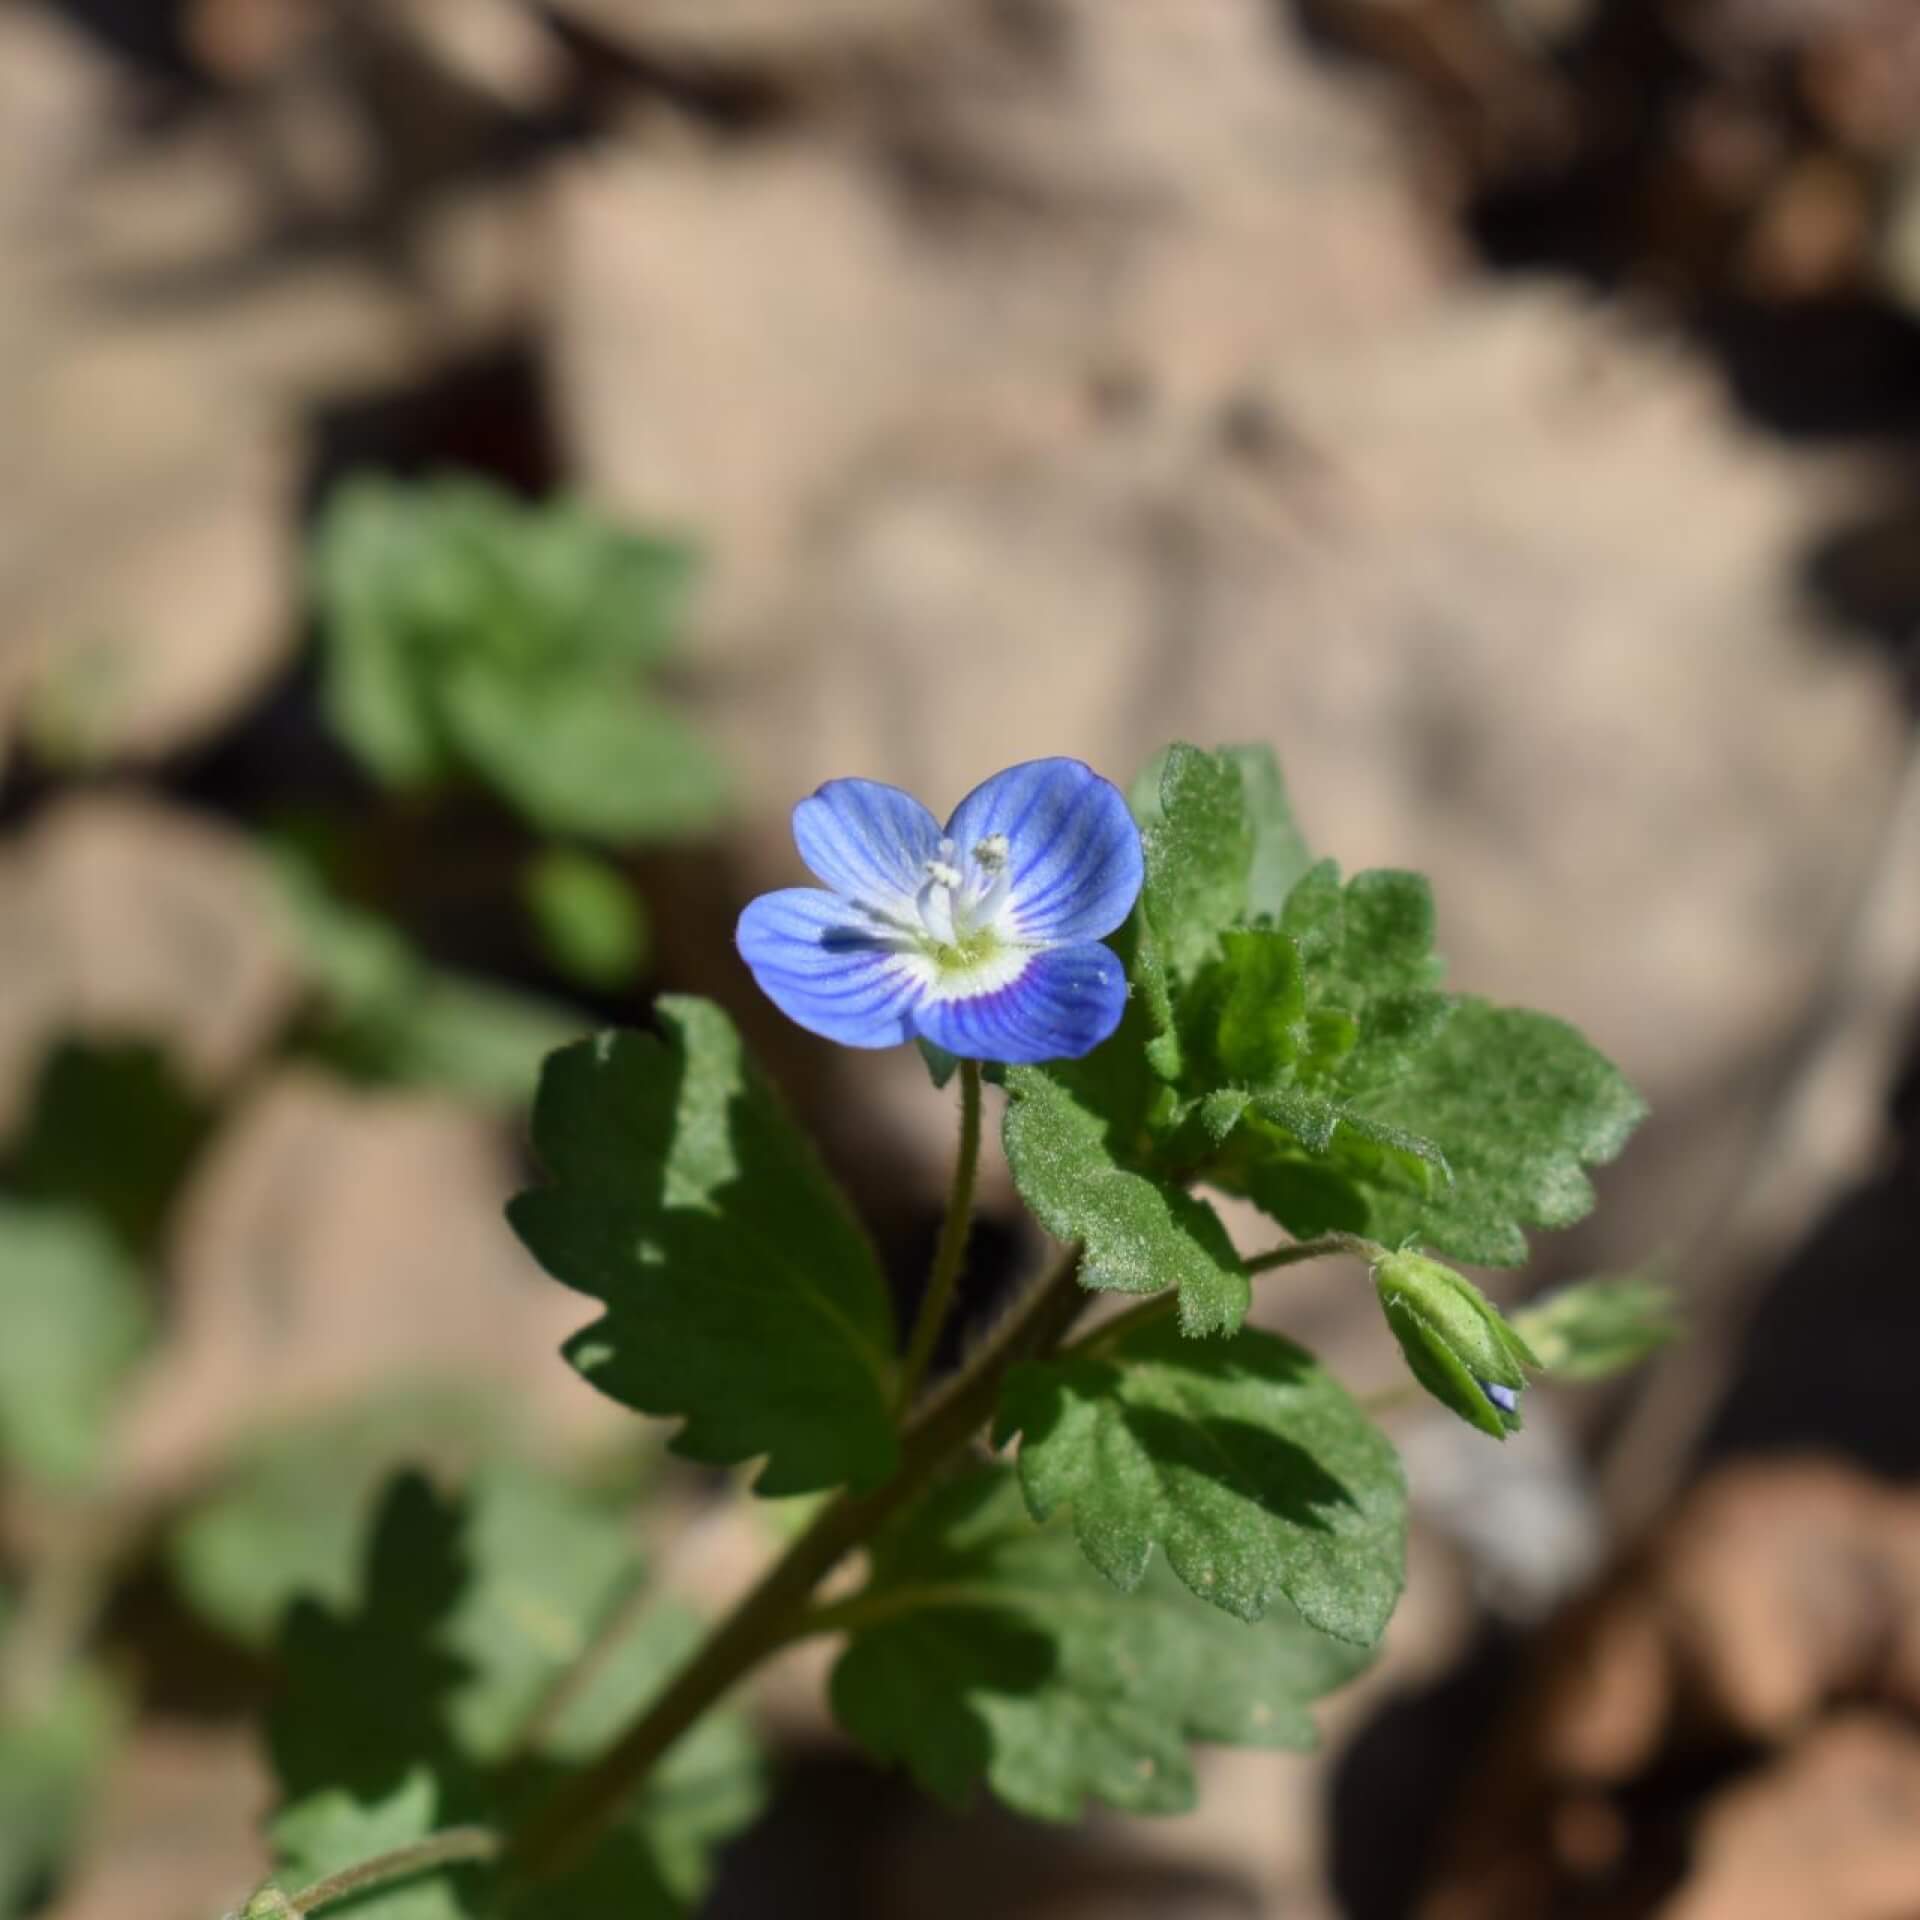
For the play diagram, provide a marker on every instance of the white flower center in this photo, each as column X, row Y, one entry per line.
column 960, row 901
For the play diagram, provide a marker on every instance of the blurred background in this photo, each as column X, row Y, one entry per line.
column 467, row 466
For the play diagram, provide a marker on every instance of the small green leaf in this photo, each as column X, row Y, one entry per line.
column 1247, row 1464
column 1199, row 849
column 1519, row 1104
column 52, row 1754
column 76, row 1322
column 591, row 922
column 987, row 1646
column 941, row 1065
column 1600, row 1327
column 1280, row 854
column 1142, row 1233
column 1420, row 1115
column 741, row 1294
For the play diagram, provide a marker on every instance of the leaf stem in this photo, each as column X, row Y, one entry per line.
column 1160, row 1306
column 952, row 1250
column 774, row 1612
column 458, row 1846
column 1316, row 1249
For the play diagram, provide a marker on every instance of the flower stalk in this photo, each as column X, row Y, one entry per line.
column 951, row 1255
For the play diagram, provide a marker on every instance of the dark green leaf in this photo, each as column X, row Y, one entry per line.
column 401, row 1712
column 111, row 1133
column 75, row 1322
column 987, row 1646
column 741, row 1294
column 1245, row 1462
column 1141, row 1233
column 290, row 1514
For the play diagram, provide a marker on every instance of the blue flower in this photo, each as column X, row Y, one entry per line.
column 982, row 937
column 1505, row 1398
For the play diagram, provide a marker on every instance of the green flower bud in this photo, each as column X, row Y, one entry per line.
column 1458, row 1344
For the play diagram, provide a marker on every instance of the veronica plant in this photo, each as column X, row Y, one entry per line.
column 1091, row 1545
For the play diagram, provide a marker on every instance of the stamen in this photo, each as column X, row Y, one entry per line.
column 991, row 853
column 936, row 900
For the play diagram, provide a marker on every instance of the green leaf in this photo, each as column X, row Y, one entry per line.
column 76, row 1322
column 1375, row 1103
column 52, row 1754
column 468, row 633
column 710, row 1784
column 289, row 1515
column 401, row 1711
column 548, row 1564
column 1199, row 849
column 591, row 922
column 1600, row 1327
column 741, row 1293
column 331, row 1830
column 1519, row 1104
column 366, row 1687
column 1247, row 1464
column 1142, row 1233
column 987, row 1646
column 576, row 755
column 382, row 1014
column 1280, row 854
column 941, row 1065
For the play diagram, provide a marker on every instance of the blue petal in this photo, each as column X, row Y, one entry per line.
column 822, row 965
column 868, row 841
column 1073, row 850
column 1065, row 1002
column 1505, row 1398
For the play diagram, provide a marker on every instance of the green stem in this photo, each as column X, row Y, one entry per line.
column 1160, row 1306
column 953, row 1241
column 1295, row 1251
column 774, row 1612
column 458, row 1846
